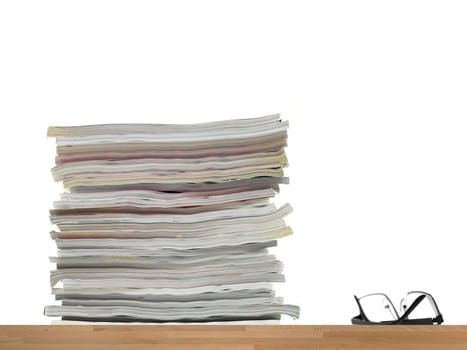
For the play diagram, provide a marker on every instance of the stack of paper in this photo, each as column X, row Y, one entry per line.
column 169, row 223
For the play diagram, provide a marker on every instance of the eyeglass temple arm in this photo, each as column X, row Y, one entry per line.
column 362, row 313
column 412, row 307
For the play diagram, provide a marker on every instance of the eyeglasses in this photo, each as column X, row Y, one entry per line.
column 417, row 308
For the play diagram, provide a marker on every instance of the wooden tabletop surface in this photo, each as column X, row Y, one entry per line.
column 231, row 337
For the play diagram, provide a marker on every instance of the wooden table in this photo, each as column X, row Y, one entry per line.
column 230, row 337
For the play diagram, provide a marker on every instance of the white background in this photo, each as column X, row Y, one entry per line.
column 375, row 93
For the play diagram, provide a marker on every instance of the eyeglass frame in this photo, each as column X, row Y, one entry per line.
column 362, row 319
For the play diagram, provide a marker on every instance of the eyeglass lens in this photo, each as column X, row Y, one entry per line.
column 425, row 309
column 378, row 307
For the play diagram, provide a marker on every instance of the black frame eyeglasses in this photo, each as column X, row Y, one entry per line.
column 378, row 309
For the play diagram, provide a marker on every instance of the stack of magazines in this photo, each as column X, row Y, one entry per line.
column 169, row 223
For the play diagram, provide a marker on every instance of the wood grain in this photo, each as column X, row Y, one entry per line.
column 230, row 337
